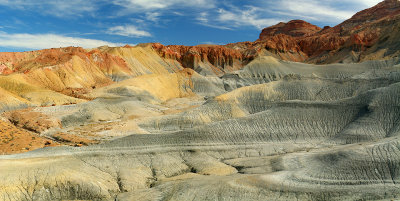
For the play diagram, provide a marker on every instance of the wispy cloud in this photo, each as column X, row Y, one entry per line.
column 158, row 13
column 153, row 16
column 210, row 43
column 234, row 17
column 42, row 41
column 249, row 16
column 151, row 5
column 58, row 8
column 129, row 31
column 315, row 9
column 178, row 13
column 204, row 19
column 325, row 11
column 366, row 3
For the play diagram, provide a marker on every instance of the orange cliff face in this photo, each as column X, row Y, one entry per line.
column 361, row 35
column 223, row 59
column 294, row 28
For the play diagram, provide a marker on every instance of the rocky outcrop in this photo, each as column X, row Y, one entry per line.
column 362, row 37
column 222, row 59
column 294, row 28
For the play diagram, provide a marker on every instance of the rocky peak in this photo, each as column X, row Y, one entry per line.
column 294, row 28
column 362, row 34
column 387, row 9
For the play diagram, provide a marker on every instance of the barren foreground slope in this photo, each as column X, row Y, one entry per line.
column 291, row 131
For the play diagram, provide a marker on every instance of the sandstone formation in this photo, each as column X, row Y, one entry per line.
column 369, row 35
column 236, row 122
column 205, row 59
column 294, row 28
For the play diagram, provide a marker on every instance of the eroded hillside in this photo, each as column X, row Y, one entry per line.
column 243, row 121
column 371, row 34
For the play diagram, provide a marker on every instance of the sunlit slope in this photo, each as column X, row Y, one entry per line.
column 75, row 72
column 289, row 131
column 143, row 60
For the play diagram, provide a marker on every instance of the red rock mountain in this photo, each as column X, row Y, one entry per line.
column 293, row 28
column 220, row 58
column 370, row 34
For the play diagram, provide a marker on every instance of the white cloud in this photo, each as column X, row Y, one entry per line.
column 315, row 9
column 178, row 13
column 247, row 17
column 367, row 3
column 325, row 11
column 203, row 19
column 129, row 31
column 235, row 18
column 153, row 16
column 210, row 43
column 58, row 8
column 43, row 41
column 151, row 5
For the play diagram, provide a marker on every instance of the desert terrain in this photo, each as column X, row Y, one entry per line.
column 302, row 113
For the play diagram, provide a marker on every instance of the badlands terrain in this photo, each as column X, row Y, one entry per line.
column 302, row 113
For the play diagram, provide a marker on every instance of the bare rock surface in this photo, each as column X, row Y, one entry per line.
column 244, row 121
column 293, row 132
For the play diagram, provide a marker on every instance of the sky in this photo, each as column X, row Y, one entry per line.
column 32, row 24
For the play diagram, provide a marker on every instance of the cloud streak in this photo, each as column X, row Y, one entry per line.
column 152, row 5
column 43, row 41
column 365, row 3
column 315, row 10
column 246, row 17
column 232, row 17
column 58, row 8
column 128, row 31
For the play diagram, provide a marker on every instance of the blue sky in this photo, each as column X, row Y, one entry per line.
column 33, row 24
